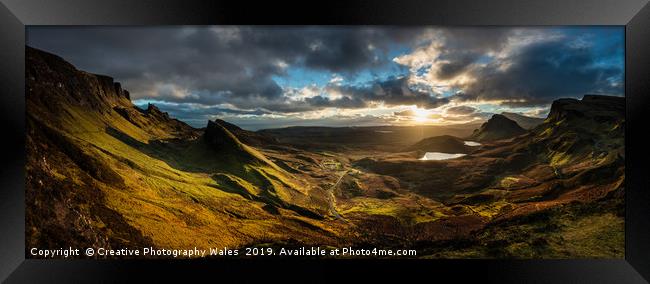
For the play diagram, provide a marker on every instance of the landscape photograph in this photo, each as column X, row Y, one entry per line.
column 425, row 142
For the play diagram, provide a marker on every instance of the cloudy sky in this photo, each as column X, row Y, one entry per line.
column 265, row 77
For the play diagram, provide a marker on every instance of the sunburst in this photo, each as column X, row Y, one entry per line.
column 420, row 115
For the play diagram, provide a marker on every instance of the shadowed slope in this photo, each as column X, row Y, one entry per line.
column 444, row 144
column 525, row 122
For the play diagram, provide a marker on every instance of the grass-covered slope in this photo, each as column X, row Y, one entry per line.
column 556, row 191
column 101, row 171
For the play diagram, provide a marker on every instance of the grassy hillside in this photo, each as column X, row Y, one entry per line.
column 555, row 192
column 160, row 179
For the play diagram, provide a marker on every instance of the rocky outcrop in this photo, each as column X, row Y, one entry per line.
column 121, row 92
column 229, row 147
column 51, row 81
column 153, row 111
column 55, row 87
column 248, row 137
column 593, row 127
column 219, row 138
column 591, row 107
column 496, row 128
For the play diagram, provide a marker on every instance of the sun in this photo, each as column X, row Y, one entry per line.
column 420, row 115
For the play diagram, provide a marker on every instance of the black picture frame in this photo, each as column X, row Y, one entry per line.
column 633, row 14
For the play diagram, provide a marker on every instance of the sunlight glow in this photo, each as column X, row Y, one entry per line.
column 420, row 115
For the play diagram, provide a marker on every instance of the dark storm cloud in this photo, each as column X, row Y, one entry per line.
column 475, row 40
column 542, row 72
column 464, row 46
column 217, row 65
column 392, row 91
column 457, row 63
column 198, row 115
column 343, row 102
column 461, row 110
column 256, row 123
column 522, row 66
column 239, row 66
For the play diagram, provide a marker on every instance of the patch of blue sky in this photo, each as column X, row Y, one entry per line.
column 451, row 91
column 422, row 70
column 142, row 103
column 607, row 42
column 592, row 31
column 617, row 62
column 484, row 59
column 369, row 76
column 497, row 108
column 492, row 108
column 300, row 77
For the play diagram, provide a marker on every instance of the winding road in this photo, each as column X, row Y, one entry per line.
column 332, row 198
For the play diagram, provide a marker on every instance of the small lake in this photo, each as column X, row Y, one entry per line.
column 428, row 156
column 472, row 143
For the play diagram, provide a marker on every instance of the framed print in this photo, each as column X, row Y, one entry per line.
column 380, row 140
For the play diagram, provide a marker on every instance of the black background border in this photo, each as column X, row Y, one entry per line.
column 633, row 14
